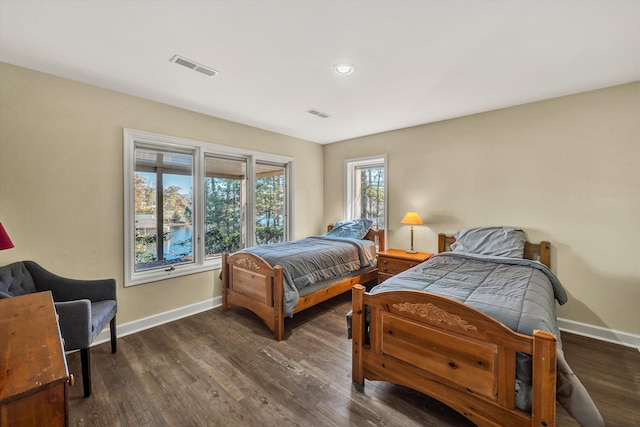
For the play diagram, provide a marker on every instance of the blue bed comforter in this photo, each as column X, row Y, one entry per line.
column 519, row 293
column 314, row 259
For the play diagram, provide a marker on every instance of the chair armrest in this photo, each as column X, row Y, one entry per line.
column 74, row 318
column 65, row 289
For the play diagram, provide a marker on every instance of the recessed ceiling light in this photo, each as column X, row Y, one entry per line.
column 343, row 69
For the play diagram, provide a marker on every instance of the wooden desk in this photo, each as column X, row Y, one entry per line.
column 34, row 378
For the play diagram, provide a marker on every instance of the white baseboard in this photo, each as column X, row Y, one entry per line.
column 599, row 333
column 158, row 319
column 578, row 328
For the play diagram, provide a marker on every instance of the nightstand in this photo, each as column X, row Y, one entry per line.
column 394, row 261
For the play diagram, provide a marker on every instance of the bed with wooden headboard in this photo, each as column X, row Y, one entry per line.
column 452, row 351
column 251, row 282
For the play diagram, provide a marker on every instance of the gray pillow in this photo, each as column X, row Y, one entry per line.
column 354, row 229
column 493, row 241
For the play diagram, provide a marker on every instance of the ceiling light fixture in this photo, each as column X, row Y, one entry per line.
column 343, row 69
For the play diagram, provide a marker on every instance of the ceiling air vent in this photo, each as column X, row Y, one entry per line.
column 208, row 71
column 318, row 113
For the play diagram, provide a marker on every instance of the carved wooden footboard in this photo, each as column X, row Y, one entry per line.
column 453, row 353
column 249, row 281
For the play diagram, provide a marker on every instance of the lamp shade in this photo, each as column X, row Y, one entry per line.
column 5, row 241
column 411, row 218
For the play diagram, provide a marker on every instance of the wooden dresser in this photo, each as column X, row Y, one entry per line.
column 34, row 378
column 394, row 261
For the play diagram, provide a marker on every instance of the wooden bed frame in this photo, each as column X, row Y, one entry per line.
column 454, row 353
column 251, row 282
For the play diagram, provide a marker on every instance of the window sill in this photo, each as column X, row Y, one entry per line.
column 182, row 270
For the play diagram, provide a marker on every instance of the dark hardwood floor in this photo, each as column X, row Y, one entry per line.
column 225, row 369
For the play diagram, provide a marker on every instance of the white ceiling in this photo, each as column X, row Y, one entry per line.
column 416, row 61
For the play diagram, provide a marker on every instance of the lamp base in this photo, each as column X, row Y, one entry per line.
column 411, row 251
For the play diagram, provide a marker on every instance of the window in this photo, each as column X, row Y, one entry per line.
column 365, row 192
column 188, row 202
column 225, row 199
column 163, row 183
column 271, row 213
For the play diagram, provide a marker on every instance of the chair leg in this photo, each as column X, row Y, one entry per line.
column 85, row 361
column 112, row 327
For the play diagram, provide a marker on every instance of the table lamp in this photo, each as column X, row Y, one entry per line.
column 411, row 218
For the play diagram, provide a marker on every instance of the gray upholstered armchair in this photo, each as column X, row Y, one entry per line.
column 84, row 307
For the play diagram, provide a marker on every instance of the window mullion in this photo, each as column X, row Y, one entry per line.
column 159, row 214
column 250, row 203
column 198, row 207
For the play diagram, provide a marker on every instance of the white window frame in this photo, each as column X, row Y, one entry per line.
column 133, row 138
column 350, row 190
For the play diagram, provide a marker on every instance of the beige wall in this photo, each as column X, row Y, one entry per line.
column 61, row 180
column 566, row 170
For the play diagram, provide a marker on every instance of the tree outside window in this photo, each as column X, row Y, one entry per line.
column 270, row 203
column 370, row 194
column 225, row 188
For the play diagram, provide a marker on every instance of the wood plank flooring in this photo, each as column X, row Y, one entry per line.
column 224, row 369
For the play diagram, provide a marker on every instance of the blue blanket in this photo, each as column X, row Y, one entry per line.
column 519, row 293
column 314, row 259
